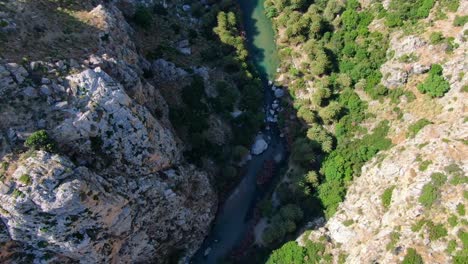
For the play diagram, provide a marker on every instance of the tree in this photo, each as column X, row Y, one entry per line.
column 312, row 178
column 143, row 17
column 435, row 85
column 331, row 112
column 40, row 140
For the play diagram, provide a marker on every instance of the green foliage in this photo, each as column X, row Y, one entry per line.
column 283, row 222
column 451, row 246
column 414, row 128
column 424, row 165
column 403, row 10
column 438, row 179
column 461, row 209
column 387, row 196
column 25, row 179
column 40, row 140
column 429, row 195
column 227, row 97
column 229, row 34
column 348, row 222
column 345, row 162
column 436, row 38
column 394, row 237
column 319, row 136
column 436, row 231
column 453, row 220
column 460, row 21
column 435, row 85
column 290, row 252
column 412, row 257
column 143, row 17
column 17, row 193
column 331, row 194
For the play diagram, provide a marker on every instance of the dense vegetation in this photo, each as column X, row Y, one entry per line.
column 332, row 56
column 342, row 56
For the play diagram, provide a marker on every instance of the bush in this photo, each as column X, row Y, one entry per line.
column 436, row 231
column 429, row 195
column 460, row 21
column 25, row 179
column 436, row 38
column 435, row 85
column 387, row 196
column 40, row 140
column 290, row 253
column 414, row 128
column 412, row 257
column 461, row 209
column 143, row 17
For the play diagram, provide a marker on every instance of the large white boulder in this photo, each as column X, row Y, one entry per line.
column 259, row 146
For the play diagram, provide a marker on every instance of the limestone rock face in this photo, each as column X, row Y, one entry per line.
column 104, row 121
column 53, row 205
column 116, row 188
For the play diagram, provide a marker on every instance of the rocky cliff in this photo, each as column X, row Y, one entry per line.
column 351, row 66
column 411, row 198
column 113, row 185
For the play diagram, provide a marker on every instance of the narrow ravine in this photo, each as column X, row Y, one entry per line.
column 232, row 222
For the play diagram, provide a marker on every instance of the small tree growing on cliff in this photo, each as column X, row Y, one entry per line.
column 435, row 85
column 40, row 140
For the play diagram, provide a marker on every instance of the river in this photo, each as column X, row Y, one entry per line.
column 233, row 219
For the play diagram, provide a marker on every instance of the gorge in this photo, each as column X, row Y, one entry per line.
column 246, row 131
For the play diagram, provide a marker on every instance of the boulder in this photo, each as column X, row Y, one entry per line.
column 259, row 146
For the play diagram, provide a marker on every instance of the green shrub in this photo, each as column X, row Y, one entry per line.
column 424, row 165
column 25, row 179
column 460, row 21
column 40, row 140
column 414, row 128
column 435, row 85
column 461, row 209
column 453, row 220
column 387, row 196
column 436, row 231
column 429, row 195
column 451, row 246
column 438, row 179
column 143, row 17
column 394, row 237
column 436, row 38
column 412, row 257
column 290, row 253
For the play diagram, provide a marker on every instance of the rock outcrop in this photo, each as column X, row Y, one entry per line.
column 116, row 188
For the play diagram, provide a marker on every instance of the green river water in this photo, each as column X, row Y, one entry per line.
column 260, row 37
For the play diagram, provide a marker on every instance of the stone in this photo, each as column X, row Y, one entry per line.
column 45, row 80
column 18, row 72
column 279, row 93
column 259, row 146
column 45, row 90
column 30, row 92
column 186, row 8
column 420, row 69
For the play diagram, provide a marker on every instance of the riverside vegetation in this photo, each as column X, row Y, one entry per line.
column 331, row 58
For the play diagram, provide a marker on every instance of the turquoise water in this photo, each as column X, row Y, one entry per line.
column 260, row 37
